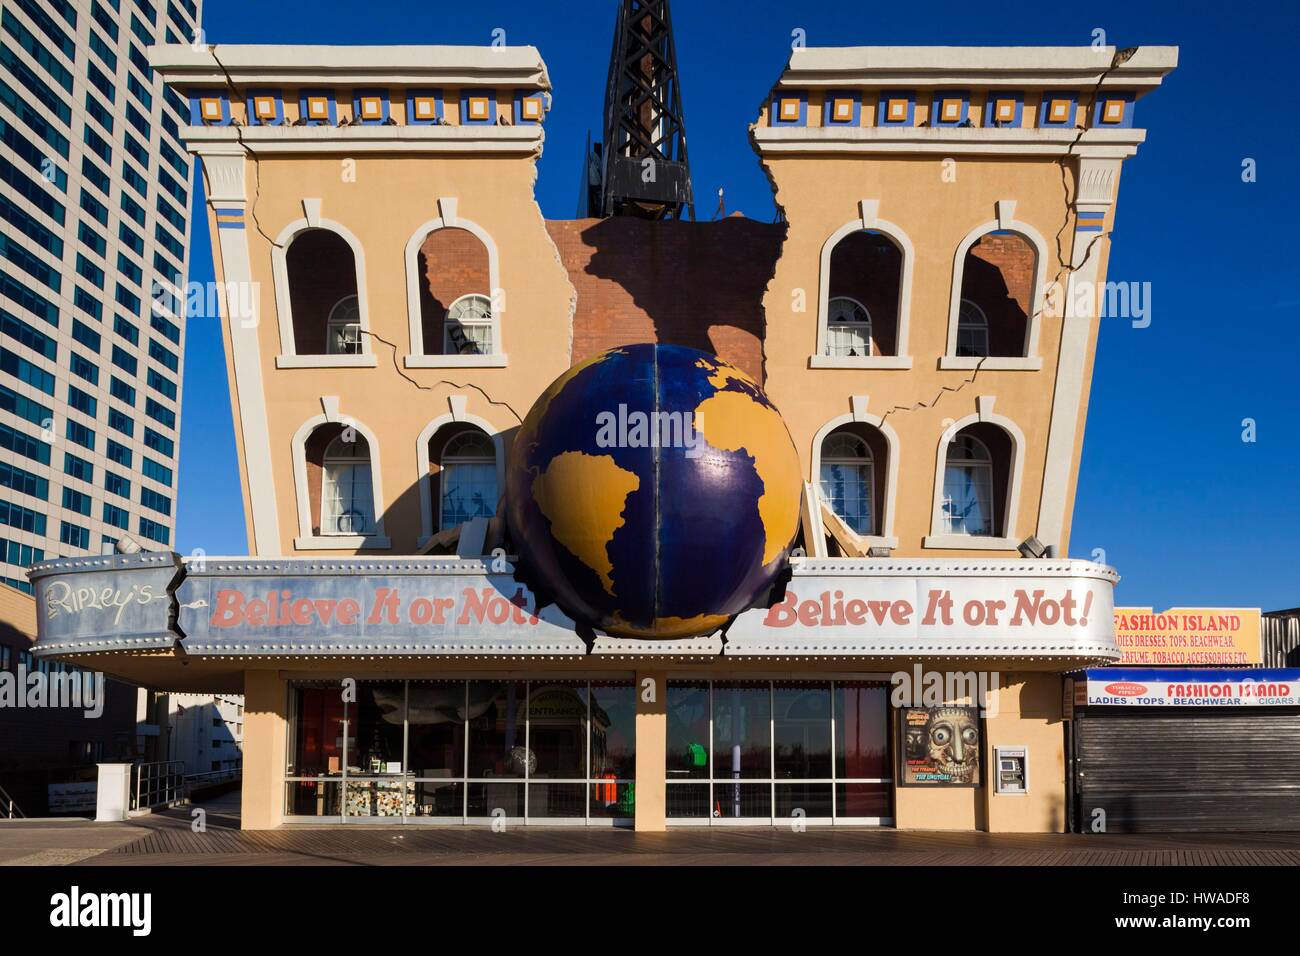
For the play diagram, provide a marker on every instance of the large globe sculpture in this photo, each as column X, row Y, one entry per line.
column 654, row 492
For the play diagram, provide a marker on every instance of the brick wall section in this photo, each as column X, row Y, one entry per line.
column 453, row 262
column 998, row 277
column 698, row 284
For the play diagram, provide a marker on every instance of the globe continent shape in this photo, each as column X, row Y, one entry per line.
column 647, row 537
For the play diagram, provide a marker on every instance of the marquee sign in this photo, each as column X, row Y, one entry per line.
column 957, row 607
column 108, row 603
column 1169, row 687
column 366, row 607
column 445, row 606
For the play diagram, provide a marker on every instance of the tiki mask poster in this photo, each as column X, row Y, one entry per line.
column 940, row 746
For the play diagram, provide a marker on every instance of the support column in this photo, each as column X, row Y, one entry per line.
column 266, row 724
column 651, row 749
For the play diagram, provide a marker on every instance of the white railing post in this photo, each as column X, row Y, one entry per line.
column 113, row 792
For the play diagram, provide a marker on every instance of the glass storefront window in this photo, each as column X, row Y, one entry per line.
column 688, row 730
column 818, row 750
column 458, row 750
column 862, row 731
column 318, row 739
column 557, row 730
column 801, row 731
column 498, row 745
column 742, row 745
column 379, row 714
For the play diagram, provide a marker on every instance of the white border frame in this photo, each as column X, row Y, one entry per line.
column 423, row 462
column 306, row 540
column 1009, row 540
column 289, row 357
column 902, row 359
column 886, row 538
column 415, row 357
column 1031, row 361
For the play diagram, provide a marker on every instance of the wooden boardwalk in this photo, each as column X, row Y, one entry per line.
column 167, row 839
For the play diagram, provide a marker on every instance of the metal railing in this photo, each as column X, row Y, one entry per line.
column 157, row 784
column 197, row 781
column 8, row 808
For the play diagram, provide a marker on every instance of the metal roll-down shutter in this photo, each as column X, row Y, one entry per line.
column 1204, row 771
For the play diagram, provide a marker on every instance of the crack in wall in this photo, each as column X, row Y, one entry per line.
column 429, row 388
column 248, row 150
column 1118, row 59
column 917, row 406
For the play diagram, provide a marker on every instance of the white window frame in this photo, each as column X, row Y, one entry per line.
column 984, row 465
column 863, row 325
column 331, row 462
column 1009, row 540
column 308, row 539
column 351, row 328
column 865, row 460
column 979, row 326
column 289, row 357
column 446, row 462
column 867, row 220
column 448, row 218
column 1031, row 361
column 457, row 415
column 487, row 322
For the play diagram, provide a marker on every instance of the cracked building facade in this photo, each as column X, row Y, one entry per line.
column 395, row 304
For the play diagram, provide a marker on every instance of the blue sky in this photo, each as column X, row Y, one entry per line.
column 1187, row 511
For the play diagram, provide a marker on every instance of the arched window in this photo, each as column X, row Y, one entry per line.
column 864, row 295
column 467, row 478
column 968, row 488
column 468, row 329
column 347, row 495
column 322, row 276
column 972, row 330
column 848, row 327
column 848, row 481
column 997, row 292
column 453, row 270
column 344, row 327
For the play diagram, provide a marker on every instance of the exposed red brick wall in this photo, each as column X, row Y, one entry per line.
column 868, row 267
column 322, row 270
column 453, row 263
column 699, row 284
column 999, row 278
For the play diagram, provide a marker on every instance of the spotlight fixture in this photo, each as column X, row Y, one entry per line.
column 1031, row 547
column 128, row 544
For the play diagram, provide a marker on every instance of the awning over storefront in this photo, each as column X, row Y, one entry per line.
column 431, row 607
column 1179, row 687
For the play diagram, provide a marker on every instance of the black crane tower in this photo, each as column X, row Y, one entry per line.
column 640, row 167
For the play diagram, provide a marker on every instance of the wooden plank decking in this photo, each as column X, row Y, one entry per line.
column 167, row 839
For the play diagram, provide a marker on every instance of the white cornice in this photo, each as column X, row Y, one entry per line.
column 1032, row 67
column 949, row 140
column 206, row 140
column 242, row 64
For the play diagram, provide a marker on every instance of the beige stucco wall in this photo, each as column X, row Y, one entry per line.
column 390, row 198
column 819, row 195
column 266, row 724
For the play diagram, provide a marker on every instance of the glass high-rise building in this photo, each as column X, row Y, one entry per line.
column 95, row 193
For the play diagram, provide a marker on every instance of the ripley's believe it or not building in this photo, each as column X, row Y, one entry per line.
column 907, row 317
